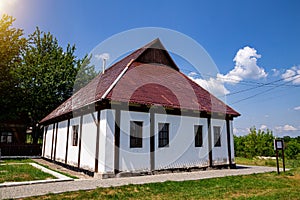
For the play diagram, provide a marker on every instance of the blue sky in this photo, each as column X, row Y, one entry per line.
column 263, row 36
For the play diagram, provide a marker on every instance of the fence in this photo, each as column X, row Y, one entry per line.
column 21, row 149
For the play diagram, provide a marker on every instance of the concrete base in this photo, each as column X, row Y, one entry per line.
column 104, row 175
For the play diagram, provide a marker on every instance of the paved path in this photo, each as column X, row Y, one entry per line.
column 88, row 184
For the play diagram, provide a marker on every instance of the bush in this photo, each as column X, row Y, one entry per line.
column 261, row 143
column 256, row 143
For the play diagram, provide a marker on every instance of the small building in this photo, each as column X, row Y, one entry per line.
column 141, row 115
column 14, row 139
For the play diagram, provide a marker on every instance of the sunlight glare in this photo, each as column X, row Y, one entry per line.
column 6, row 6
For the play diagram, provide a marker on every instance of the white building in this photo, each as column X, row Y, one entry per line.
column 141, row 115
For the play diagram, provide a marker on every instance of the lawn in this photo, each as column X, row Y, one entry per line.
column 10, row 161
column 21, row 172
column 267, row 162
column 256, row 186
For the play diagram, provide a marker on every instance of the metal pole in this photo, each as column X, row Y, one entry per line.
column 277, row 161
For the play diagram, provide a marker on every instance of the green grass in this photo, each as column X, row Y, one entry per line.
column 268, row 162
column 21, row 172
column 21, row 160
column 256, row 186
column 32, row 161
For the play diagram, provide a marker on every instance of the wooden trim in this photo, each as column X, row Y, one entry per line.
column 117, row 141
column 152, row 140
column 80, row 136
column 53, row 127
column 56, row 131
column 106, row 104
column 97, row 141
column 67, row 143
column 209, row 142
column 228, row 142
column 44, row 140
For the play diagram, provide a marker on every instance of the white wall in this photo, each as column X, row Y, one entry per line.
column 219, row 154
column 131, row 159
column 106, row 141
column 181, row 151
column 61, row 141
column 48, row 140
column 88, row 141
column 73, row 150
column 232, row 141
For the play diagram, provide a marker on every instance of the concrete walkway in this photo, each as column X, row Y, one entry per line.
column 60, row 168
column 88, row 184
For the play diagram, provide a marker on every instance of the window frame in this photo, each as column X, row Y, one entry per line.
column 6, row 137
column 136, row 134
column 217, row 136
column 163, row 135
column 198, row 135
column 75, row 136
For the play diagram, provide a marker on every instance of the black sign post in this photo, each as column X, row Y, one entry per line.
column 279, row 145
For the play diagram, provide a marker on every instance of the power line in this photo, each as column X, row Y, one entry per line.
column 243, row 82
column 266, row 84
column 252, row 96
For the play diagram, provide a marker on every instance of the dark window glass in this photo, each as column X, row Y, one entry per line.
column 198, row 136
column 6, row 137
column 163, row 135
column 75, row 135
column 217, row 136
column 136, row 134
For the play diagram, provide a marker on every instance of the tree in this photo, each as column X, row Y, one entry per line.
column 292, row 150
column 12, row 44
column 46, row 76
column 85, row 73
column 256, row 143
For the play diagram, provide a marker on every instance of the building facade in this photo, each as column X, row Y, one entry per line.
column 141, row 115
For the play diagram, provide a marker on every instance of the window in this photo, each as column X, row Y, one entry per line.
column 163, row 135
column 75, row 135
column 198, row 136
column 136, row 134
column 217, row 136
column 6, row 137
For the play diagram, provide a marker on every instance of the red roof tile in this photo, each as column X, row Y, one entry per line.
column 152, row 79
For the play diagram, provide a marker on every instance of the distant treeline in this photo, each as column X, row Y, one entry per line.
column 261, row 143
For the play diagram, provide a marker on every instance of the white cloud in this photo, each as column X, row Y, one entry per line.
column 289, row 128
column 212, row 85
column 297, row 108
column 235, row 131
column 245, row 67
column 285, row 128
column 192, row 74
column 263, row 127
column 102, row 56
column 292, row 75
column 276, row 72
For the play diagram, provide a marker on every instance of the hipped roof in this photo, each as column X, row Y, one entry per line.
column 148, row 76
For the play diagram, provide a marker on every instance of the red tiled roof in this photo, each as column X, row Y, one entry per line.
column 154, row 83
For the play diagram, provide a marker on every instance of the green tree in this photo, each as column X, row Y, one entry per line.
column 12, row 44
column 292, row 150
column 256, row 143
column 86, row 72
column 46, row 76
